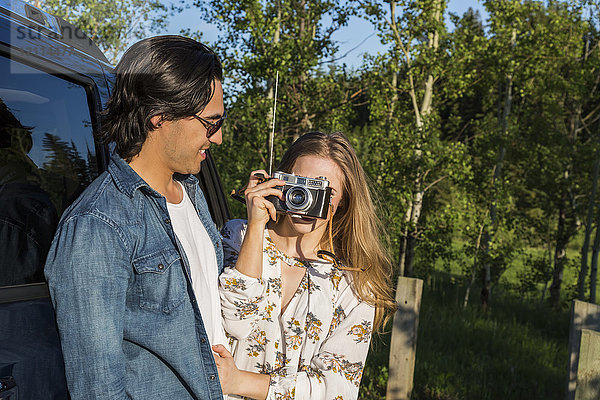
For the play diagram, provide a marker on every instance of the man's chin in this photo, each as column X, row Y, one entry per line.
column 190, row 171
column 195, row 169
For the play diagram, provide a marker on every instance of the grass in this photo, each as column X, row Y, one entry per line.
column 517, row 350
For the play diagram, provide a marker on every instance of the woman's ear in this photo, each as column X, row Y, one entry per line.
column 332, row 208
column 342, row 204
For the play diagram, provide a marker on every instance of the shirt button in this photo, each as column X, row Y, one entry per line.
column 167, row 221
column 160, row 266
column 212, row 377
column 202, row 340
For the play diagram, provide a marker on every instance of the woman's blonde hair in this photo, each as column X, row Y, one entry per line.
column 357, row 230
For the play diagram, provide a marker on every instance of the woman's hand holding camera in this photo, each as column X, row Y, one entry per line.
column 258, row 207
column 260, row 210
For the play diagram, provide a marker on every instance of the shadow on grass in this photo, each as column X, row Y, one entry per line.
column 514, row 351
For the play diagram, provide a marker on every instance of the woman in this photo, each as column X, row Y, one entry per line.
column 299, row 323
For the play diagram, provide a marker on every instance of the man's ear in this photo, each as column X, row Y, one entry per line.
column 157, row 121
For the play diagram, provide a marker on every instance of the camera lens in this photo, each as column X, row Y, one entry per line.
column 298, row 198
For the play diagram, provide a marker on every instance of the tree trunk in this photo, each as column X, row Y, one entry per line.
column 403, row 251
column 486, row 287
column 497, row 175
column 420, row 111
column 486, row 281
column 549, row 243
column 410, row 255
column 474, row 270
column 594, row 266
column 471, row 283
column 414, row 223
column 567, row 219
column 560, row 253
column 588, row 231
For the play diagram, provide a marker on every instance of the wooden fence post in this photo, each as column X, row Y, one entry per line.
column 583, row 316
column 588, row 369
column 403, row 344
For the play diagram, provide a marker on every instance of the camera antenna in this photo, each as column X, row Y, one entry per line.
column 273, row 126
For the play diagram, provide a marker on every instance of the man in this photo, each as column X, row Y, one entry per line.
column 132, row 256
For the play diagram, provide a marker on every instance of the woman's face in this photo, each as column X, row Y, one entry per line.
column 313, row 167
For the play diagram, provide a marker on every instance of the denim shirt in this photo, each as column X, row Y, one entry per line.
column 128, row 320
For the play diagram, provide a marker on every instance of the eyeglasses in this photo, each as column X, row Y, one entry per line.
column 211, row 128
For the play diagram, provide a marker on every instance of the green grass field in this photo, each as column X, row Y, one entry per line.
column 516, row 350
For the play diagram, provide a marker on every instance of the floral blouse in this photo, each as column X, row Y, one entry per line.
column 316, row 348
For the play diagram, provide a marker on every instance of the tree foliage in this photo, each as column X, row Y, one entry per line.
column 112, row 24
column 291, row 39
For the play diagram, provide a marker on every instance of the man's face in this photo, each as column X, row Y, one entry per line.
column 185, row 141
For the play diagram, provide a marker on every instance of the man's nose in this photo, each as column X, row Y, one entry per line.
column 217, row 138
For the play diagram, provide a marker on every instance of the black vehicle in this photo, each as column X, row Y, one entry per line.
column 54, row 82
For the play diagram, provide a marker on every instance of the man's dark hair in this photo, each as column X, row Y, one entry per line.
column 169, row 75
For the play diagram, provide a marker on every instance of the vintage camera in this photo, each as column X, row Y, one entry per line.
column 303, row 196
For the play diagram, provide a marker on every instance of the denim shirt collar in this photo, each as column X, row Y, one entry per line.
column 128, row 181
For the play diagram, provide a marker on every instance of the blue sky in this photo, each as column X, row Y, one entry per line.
column 356, row 38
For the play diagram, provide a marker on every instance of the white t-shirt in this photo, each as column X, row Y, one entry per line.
column 201, row 256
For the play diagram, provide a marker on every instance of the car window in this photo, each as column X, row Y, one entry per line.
column 47, row 157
